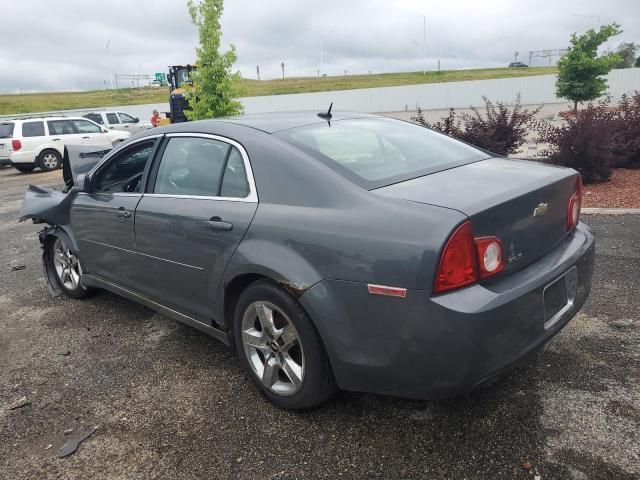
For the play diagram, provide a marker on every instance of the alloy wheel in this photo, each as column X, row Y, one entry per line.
column 50, row 161
column 273, row 348
column 67, row 265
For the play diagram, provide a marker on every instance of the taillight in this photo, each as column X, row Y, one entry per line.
column 458, row 262
column 575, row 204
column 465, row 259
column 16, row 145
column 490, row 256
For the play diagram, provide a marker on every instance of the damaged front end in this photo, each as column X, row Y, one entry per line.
column 53, row 206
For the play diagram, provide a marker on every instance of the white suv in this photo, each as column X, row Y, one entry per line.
column 27, row 143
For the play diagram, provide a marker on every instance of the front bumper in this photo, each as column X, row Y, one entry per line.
column 426, row 346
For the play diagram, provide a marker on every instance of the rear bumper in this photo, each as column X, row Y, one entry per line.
column 5, row 161
column 23, row 157
column 446, row 345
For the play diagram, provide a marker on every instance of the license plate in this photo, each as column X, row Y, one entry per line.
column 558, row 297
column 1, row 146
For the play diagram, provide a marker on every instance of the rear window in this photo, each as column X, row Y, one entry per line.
column 375, row 152
column 33, row 129
column 6, row 130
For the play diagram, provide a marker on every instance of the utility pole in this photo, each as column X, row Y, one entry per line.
column 424, row 44
column 515, row 56
column 107, row 52
column 282, row 65
column 258, row 71
column 321, row 55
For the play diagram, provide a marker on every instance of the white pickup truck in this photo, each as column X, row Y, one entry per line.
column 119, row 121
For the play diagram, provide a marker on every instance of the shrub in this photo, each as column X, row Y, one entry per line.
column 584, row 142
column 626, row 132
column 499, row 128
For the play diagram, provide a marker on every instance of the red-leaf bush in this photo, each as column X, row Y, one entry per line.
column 498, row 128
column 626, row 132
column 584, row 142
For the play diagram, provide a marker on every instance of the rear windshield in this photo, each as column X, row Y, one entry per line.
column 374, row 152
column 6, row 130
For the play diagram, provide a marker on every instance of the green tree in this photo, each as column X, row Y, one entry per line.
column 580, row 69
column 216, row 87
column 627, row 53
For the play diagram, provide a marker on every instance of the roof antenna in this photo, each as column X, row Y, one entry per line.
column 327, row 115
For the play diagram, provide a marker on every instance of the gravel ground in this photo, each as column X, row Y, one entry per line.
column 169, row 402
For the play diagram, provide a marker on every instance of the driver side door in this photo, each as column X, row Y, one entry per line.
column 102, row 220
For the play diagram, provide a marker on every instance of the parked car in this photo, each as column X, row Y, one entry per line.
column 518, row 65
column 119, row 121
column 28, row 143
column 350, row 251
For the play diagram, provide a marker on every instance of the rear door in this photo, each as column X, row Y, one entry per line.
column 113, row 121
column 90, row 133
column 102, row 220
column 199, row 203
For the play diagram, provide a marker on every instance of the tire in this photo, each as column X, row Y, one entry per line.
column 65, row 268
column 26, row 168
column 49, row 160
column 298, row 374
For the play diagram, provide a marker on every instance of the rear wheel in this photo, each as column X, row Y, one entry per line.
column 66, row 268
column 49, row 160
column 280, row 349
column 26, row 168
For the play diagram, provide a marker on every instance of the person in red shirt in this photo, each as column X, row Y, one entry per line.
column 155, row 119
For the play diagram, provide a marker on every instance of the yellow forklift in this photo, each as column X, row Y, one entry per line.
column 178, row 76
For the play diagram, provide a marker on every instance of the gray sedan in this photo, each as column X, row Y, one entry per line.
column 331, row 251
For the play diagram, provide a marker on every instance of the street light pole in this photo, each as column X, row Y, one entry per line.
column 424, row 44
column 321, row 55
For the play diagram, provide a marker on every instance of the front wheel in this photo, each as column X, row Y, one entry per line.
column 65, row 268
column 280, row 349
column 49, row 160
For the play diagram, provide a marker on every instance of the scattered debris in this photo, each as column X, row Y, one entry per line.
column 73, row 443
column 403, row 472
column 23, row 402
column 527, row 465
column 68, row 431
column 48, row 447
column 16, row 268
column 66, row 353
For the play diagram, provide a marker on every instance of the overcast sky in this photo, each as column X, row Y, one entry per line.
column 61, row 45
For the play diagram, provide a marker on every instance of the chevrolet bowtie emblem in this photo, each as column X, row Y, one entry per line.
column 541, row 209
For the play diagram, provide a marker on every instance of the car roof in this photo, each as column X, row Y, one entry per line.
column 275, row 122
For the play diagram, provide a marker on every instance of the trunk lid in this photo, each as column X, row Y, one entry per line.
column 521, row 202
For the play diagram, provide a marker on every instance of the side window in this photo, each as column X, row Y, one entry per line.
column 126, row 118
column 234, row 182
column 112, row 118
column 85, row 126
column 124, row 174
column 61, row 127
column 191, row 166
column 96, row 117
column 33, row 129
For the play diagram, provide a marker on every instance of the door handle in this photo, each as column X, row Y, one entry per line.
column 86, row 138
column 217, row 225
column 55, row 139
column 122, row 213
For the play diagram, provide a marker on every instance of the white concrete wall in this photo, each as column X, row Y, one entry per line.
column 534, row 90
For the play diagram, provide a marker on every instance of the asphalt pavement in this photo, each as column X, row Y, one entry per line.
column 170, row 402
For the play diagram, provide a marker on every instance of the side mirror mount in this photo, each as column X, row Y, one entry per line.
column 104, row 129
column 82, row 183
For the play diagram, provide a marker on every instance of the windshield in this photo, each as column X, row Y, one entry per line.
column 6, row 130
column 374, row 152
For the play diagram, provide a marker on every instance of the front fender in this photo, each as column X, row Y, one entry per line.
column 45, row 205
